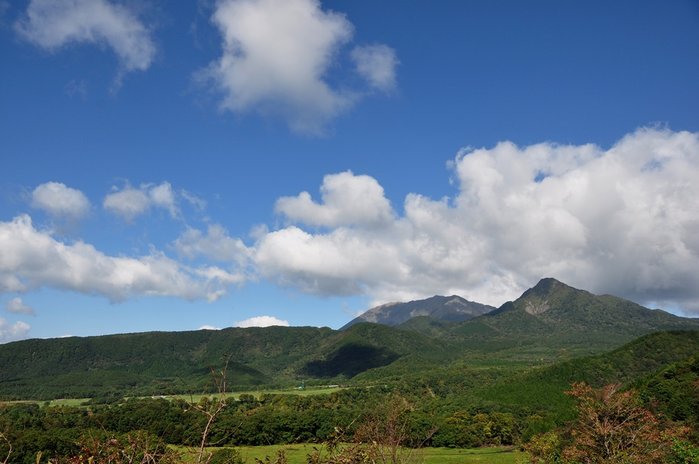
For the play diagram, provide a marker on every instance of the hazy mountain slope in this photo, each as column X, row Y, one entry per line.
column 443, row 308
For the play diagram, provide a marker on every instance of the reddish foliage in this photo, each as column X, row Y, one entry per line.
column 612, row 427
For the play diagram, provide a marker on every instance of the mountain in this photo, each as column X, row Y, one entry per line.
column 367, row 346
column 181, row 362
column 442, row 308
column 154, row 362
column 550, row 322
column 554, row 319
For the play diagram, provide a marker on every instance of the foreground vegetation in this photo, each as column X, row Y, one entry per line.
column 611, row 425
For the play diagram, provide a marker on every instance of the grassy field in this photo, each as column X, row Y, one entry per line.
column 77, row 402
column 296, row 454
column 68, row 402
column 309, row 391
column 59, row 402
column 479, row 455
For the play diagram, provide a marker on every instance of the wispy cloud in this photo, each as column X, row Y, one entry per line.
column 17, row 306
column 53, row 24
column 377, row 64
column 76, row 88
column 130, row 202
column 214, row 245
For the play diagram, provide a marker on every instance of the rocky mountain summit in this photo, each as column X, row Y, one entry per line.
column 443, row 308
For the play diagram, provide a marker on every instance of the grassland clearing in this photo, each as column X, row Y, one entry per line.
column 296, row 454
column 309, row 391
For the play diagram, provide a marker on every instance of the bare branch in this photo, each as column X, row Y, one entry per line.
column 9, row 447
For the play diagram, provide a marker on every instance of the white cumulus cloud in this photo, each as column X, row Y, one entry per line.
column 11, row 332
column 377, row 64
column 347, row 199
column 209, row 327
column 52, row 24
column 276, row 57
column 130, row 202
column 17, row 306
column 262, row 321
column 622, row 220
column 342, row 262
column 60, row 201
column 215, row 245
column 33, row 259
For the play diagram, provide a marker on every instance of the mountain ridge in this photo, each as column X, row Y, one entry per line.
column 555, row 315
column 451, row 308
column 550, row 322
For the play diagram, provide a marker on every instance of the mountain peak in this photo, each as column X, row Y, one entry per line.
column 445, row 308
column 546, row 286
column 553, row 312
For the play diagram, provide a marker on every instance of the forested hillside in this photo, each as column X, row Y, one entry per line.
column 548, row 323
column 160, row 363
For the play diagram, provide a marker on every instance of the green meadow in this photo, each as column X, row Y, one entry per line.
column 195, row 398
column 296, row 454
column 310, row 391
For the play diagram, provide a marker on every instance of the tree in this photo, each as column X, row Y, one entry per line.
column 132, row 448
column 544, row 448
column 211, row 409
column 387, row 433
column 613, row 428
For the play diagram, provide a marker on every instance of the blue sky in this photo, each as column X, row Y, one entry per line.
column 174, row 165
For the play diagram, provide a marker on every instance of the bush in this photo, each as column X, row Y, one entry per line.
column 612, row 427
column 226, row 456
